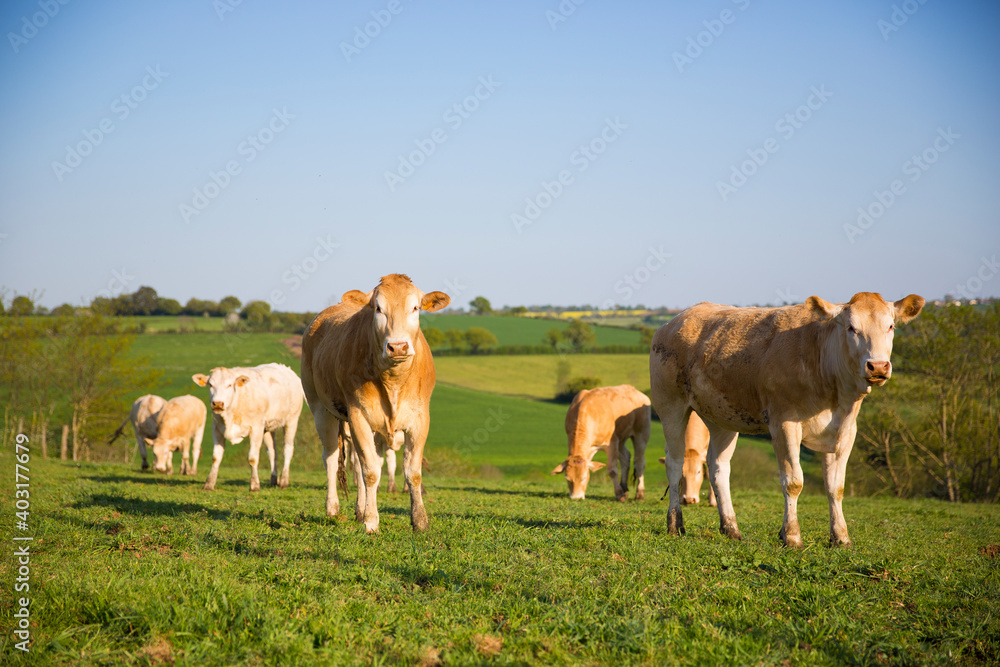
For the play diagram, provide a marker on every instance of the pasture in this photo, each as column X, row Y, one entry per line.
column 141, row 569
column 524, row 330
column 148, row 569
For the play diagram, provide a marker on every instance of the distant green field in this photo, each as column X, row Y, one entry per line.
column 523, row 330
column 534, row 376
column 160, row 323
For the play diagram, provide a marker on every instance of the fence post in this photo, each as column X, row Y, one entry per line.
column 65, row 437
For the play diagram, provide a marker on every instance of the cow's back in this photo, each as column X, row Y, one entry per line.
column 273, row 395
column 180, row 417
column 728, row 363
column 598, row 414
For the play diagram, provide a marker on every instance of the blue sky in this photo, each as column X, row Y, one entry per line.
column 661, row 153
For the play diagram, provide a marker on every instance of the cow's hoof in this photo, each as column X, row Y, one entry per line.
column 274, row 480
column 371, row 527
column 208, row 487
column 254, row 487
column 675, row 522
column 283, row 483
column 392, row 487
column 640, row 495
column 332, row 508
column 622, row 498
column 838, row 542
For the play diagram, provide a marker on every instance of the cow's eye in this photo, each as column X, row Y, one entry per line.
column 891, row 327
column 416, row 308
column 378, row 309
column 852, row 329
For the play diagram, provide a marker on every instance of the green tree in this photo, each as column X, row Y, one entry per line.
column 144, row 301
column 553, row 337
column 481, row 305
column 21, row 306
column 455, row 339
column 480, row 339
column 580, row 335
column 646, row 335
column 199, row 307
column 169, row 307
column 229, row 304
column 63, row 310
column 434, row 336
column 517, row 311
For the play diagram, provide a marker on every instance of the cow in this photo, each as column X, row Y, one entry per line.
column 253, row 402
column 350, row 455
column 142, row 418
column 603, row 419
column 799, row 373
column 179, row 421
column 366, row 362
column 696, row 440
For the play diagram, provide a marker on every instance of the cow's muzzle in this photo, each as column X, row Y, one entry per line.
column 877, row 372
column 218, row 406
column 397, row 350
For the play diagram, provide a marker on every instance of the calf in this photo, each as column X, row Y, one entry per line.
column 603, row 419
column 253, row 402
column 179, row 421
column 798, row 372
column 143, row 420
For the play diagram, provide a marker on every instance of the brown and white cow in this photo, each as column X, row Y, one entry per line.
column 143, row 420
column 179, row 421
column 799, row 373
column 696, row 439
column 365, row 361
column 253, row 402
column 603, row 419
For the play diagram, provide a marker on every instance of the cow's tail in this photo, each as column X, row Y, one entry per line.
column 118, row 431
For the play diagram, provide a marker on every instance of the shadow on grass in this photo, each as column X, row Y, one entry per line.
column 144, row 507
column 146, row 478
column 503, row 492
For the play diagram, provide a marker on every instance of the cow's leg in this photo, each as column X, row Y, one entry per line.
column 218, row 442
column 786, row 438
column 359, row 483
column 390, row 468
column 413, row 457
column 624, row 464
column 834, row 475
column 196, row 450
column 369, row 471
column 269, row 445
column 674, row 422
column 711, row 491
column 141, row 441
column 186, row 457
column 290, row 429
column 328, row 428
column 257, row 437
column 613, row 454
column 170, row 460
column 721, row 445
column 639, row 441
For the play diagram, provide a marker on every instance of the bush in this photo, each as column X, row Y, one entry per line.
column 574, row 386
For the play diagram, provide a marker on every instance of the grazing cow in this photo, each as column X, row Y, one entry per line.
column 253, row 402
column 799, row 373
column 603, row 419
column 696, row 440
column 179, row 421
column 366, row 362
column 142, row 418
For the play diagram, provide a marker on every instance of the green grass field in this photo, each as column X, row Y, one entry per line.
column 146, row 569
column 524, row 330
column 129, row 568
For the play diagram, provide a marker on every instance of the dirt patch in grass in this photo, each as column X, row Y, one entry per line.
column 160, row 652
column 990, row 550
column 488, row 645
column 294, row 345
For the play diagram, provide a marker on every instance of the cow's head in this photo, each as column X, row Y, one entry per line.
column 163, row 449
column 577, row 469
column 397, row 303
column 692, row 477
column 866, row 325
column 223, row 385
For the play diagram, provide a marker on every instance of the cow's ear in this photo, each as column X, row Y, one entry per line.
column 908, row 307
column 356, row 297
column 434, row 301
column 559, row 468
column 200, row 379
column 663, row 460
column 595, row 466
column 823, row 308
column 242, row 380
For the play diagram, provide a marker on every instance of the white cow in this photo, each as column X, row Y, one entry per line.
column 143, row 420
column 253, row 402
